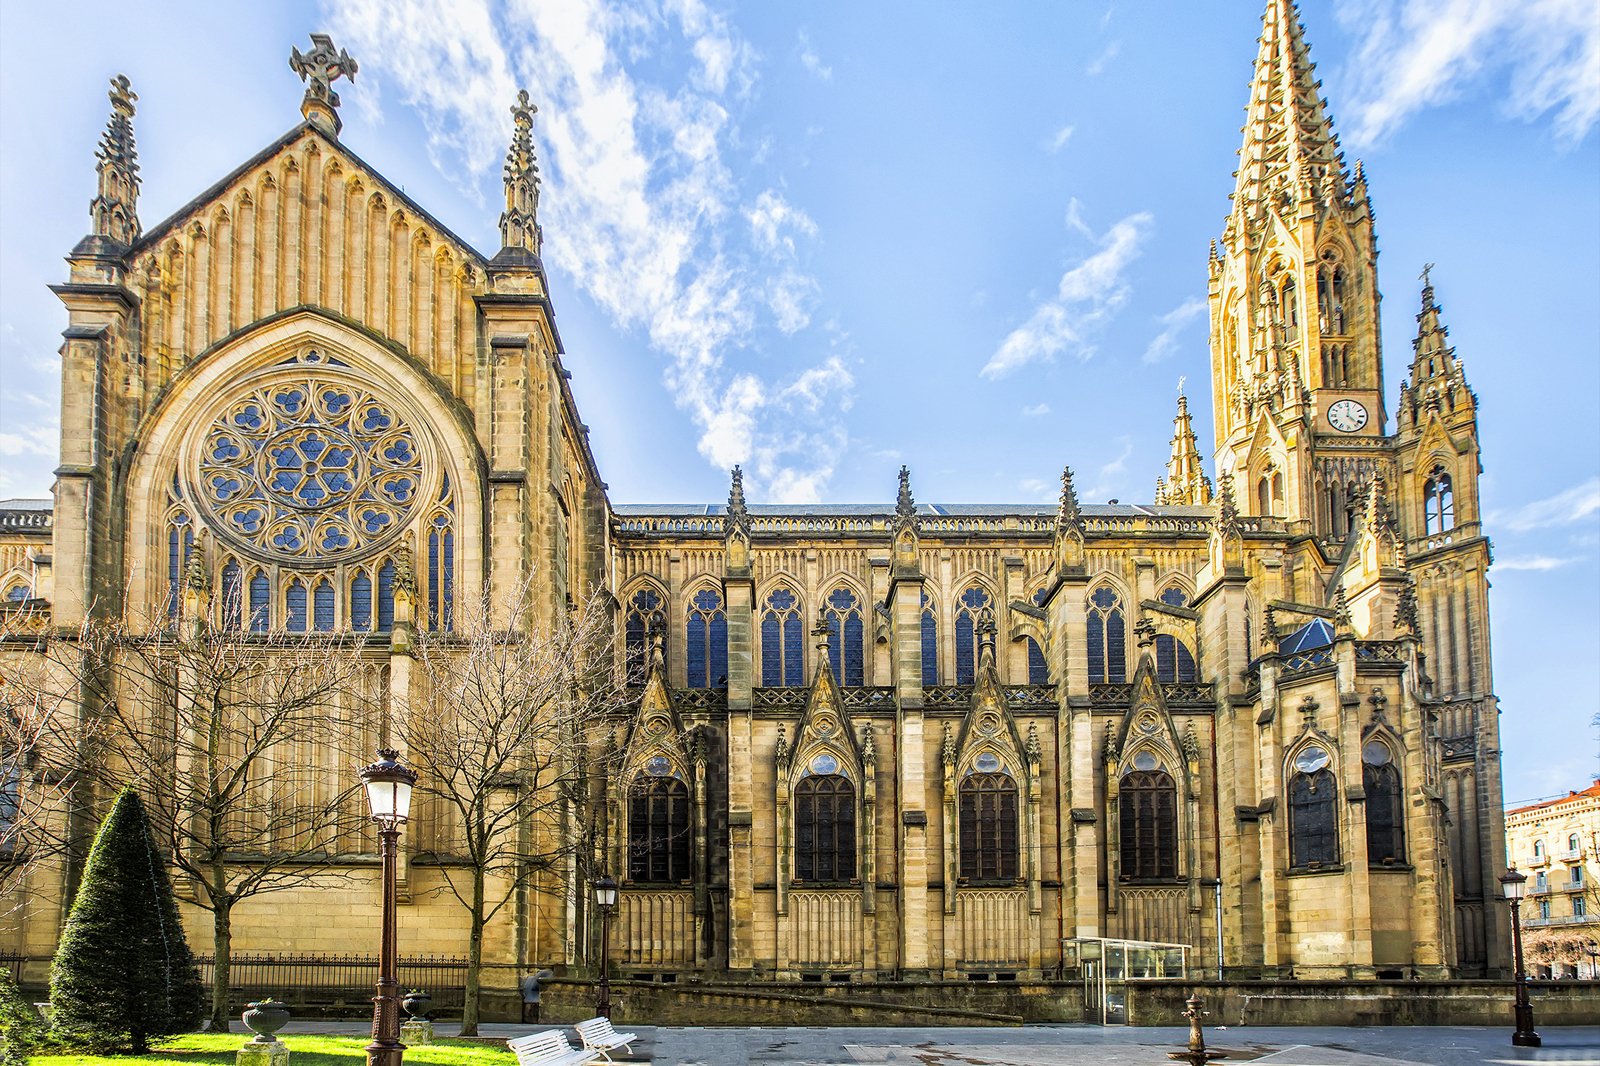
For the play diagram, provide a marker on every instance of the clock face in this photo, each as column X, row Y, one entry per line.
column 1347, row 416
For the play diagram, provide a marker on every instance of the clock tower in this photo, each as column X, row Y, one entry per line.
column 1297, row 373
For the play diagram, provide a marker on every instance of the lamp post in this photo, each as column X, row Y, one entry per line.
column 1593, row 951
column 388, row 783
column 1512, row 885
column 605, row 896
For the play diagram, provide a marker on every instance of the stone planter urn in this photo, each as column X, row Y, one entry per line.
column 264, row 1018
column 416, row 1005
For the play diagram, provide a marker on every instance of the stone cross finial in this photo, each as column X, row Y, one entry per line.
column 1427, row 269
column 319, row 69
column 519, row 224
column 114, row 211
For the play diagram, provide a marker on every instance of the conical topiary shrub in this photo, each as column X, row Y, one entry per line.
column 123, row 971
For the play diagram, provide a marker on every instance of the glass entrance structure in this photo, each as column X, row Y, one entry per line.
column 1108, row 966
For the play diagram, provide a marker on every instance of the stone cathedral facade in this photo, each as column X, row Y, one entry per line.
column 866, row 742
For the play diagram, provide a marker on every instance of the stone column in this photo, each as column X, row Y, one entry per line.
column 918, row 852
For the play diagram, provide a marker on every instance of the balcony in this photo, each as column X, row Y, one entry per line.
column 1575, row 855
column 1561, row 919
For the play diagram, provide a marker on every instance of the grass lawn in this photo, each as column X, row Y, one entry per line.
column 305, row 1049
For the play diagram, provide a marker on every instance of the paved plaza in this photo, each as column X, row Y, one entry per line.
column 1080, row 1045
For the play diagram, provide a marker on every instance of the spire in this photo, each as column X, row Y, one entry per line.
column 114, row 212
column 1068, row 513
column 738, row 514
column 519, row 225
column 319, row 69
column 1289, row 149
column 1185, row 483
column 905, row 505
column 1437, row 379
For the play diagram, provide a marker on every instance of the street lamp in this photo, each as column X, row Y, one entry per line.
column 605, row 896
column 1593, row 951
column 388, row 783
column 1512, row 885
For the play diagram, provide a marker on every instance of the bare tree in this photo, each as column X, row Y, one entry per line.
column 244, row 744
column 498, row 734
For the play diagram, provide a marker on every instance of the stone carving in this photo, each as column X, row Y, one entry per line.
column 780, row 750
column 114, row 210
column 519, row 223
column 321, row 67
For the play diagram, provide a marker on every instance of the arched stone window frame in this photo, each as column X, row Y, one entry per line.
column 1148, row 730
column 1109, row 622
column 705, row 643
column 790, row 626
column 260, row 351
column 1148, row 759
column 842, row 621
column 643, row 621
column 1383, row 785
column 1438, row 500
column 928, row 637
column 975, row 601
column 1303, row 854
column 983, row 767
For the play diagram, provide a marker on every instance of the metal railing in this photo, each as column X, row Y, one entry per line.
column 337, row 980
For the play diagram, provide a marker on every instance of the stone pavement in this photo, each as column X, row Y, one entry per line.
column 1073, row 1045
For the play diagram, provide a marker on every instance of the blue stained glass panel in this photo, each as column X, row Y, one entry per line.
column 361, row 602
column 322, row 607
column 930, row 644
column 386, row 596
column 260, row 602
column 1038, row 668
column 232, row 597
column 295, row 605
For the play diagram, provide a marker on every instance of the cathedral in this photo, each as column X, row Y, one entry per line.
column 1253, row 719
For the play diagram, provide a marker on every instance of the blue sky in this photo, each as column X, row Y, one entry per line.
column 823, row 240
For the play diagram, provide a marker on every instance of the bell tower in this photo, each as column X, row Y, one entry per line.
column 1295, row 359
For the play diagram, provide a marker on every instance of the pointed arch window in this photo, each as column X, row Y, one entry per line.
column 1386, row 816
column 930, row 642
column 1147, row 800
column 707, row 640
column 1108, row 653
column 974, row 605
column 645, row 619
column 232, row 593
column 658, row 830
column 782, row 640
column 386, row 596
column 1038, row 666
column 987, row 824
column 1313, row 825
column 441, row 573
column 1174, row 661
column 825, row 828
column 294, row 602
column 1269, row 493
column 260, row 602
column 180, row 545
column 846, row 636
column 361, row 602
column 322, row 606
column 1439, row 502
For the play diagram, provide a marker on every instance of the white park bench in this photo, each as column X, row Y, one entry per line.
column 549, row 1049
column 598, row 1035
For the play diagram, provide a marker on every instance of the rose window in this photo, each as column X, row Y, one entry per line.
column 312, row 467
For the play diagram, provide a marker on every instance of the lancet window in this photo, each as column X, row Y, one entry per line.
column 974, row 606
column 1439, row 502
column 846, row 636
column 707, row 640
column 180, row 545
column 1147, row 801
column 1269, row 492
column 295, row 606
column 658, row 827
column 1386, row 824
column 987, row 824
column 930, row 642
column 645, row 619
column 232, row 595
column 1108, row 660
column 1330, row 299
column 260, row 602
column 825, row 828
column 1313, row 825
column 1038, row 666
column 1174, row 661
column 782, row 640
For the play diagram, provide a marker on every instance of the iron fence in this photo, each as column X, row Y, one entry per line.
column 337, row 981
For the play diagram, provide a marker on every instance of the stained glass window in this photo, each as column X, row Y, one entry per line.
column 930, row 642
column 1174, row 662
column 180, row 544
column 260, row 602
column 232, row 592
column 1108, row 663
column 846, row 637
column 1386, row 818
column 322, row 606
column 441, row 573
column 707, row 637
column 825, row 828
column 782, row 640
column 645, row 619
column 658, row 830
column 1174, row 596
column 1313, row 830
column 294, row 601
column 1038, row 666
column 987, row 823
column 386, row 596
column 361, row 602
column 1148, row 810
column 974, row 605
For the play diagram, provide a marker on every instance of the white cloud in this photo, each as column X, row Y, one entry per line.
column 1562, row 509
column 638, row 191
column 1100, row 62
column 1532, row 562
column 1059, row 140
column 810, row 60
column 1089, row 293
column 1037, row 410
column 1416, row 54
column 1111, row 473
column 1036, row 488
column 1172, row 324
